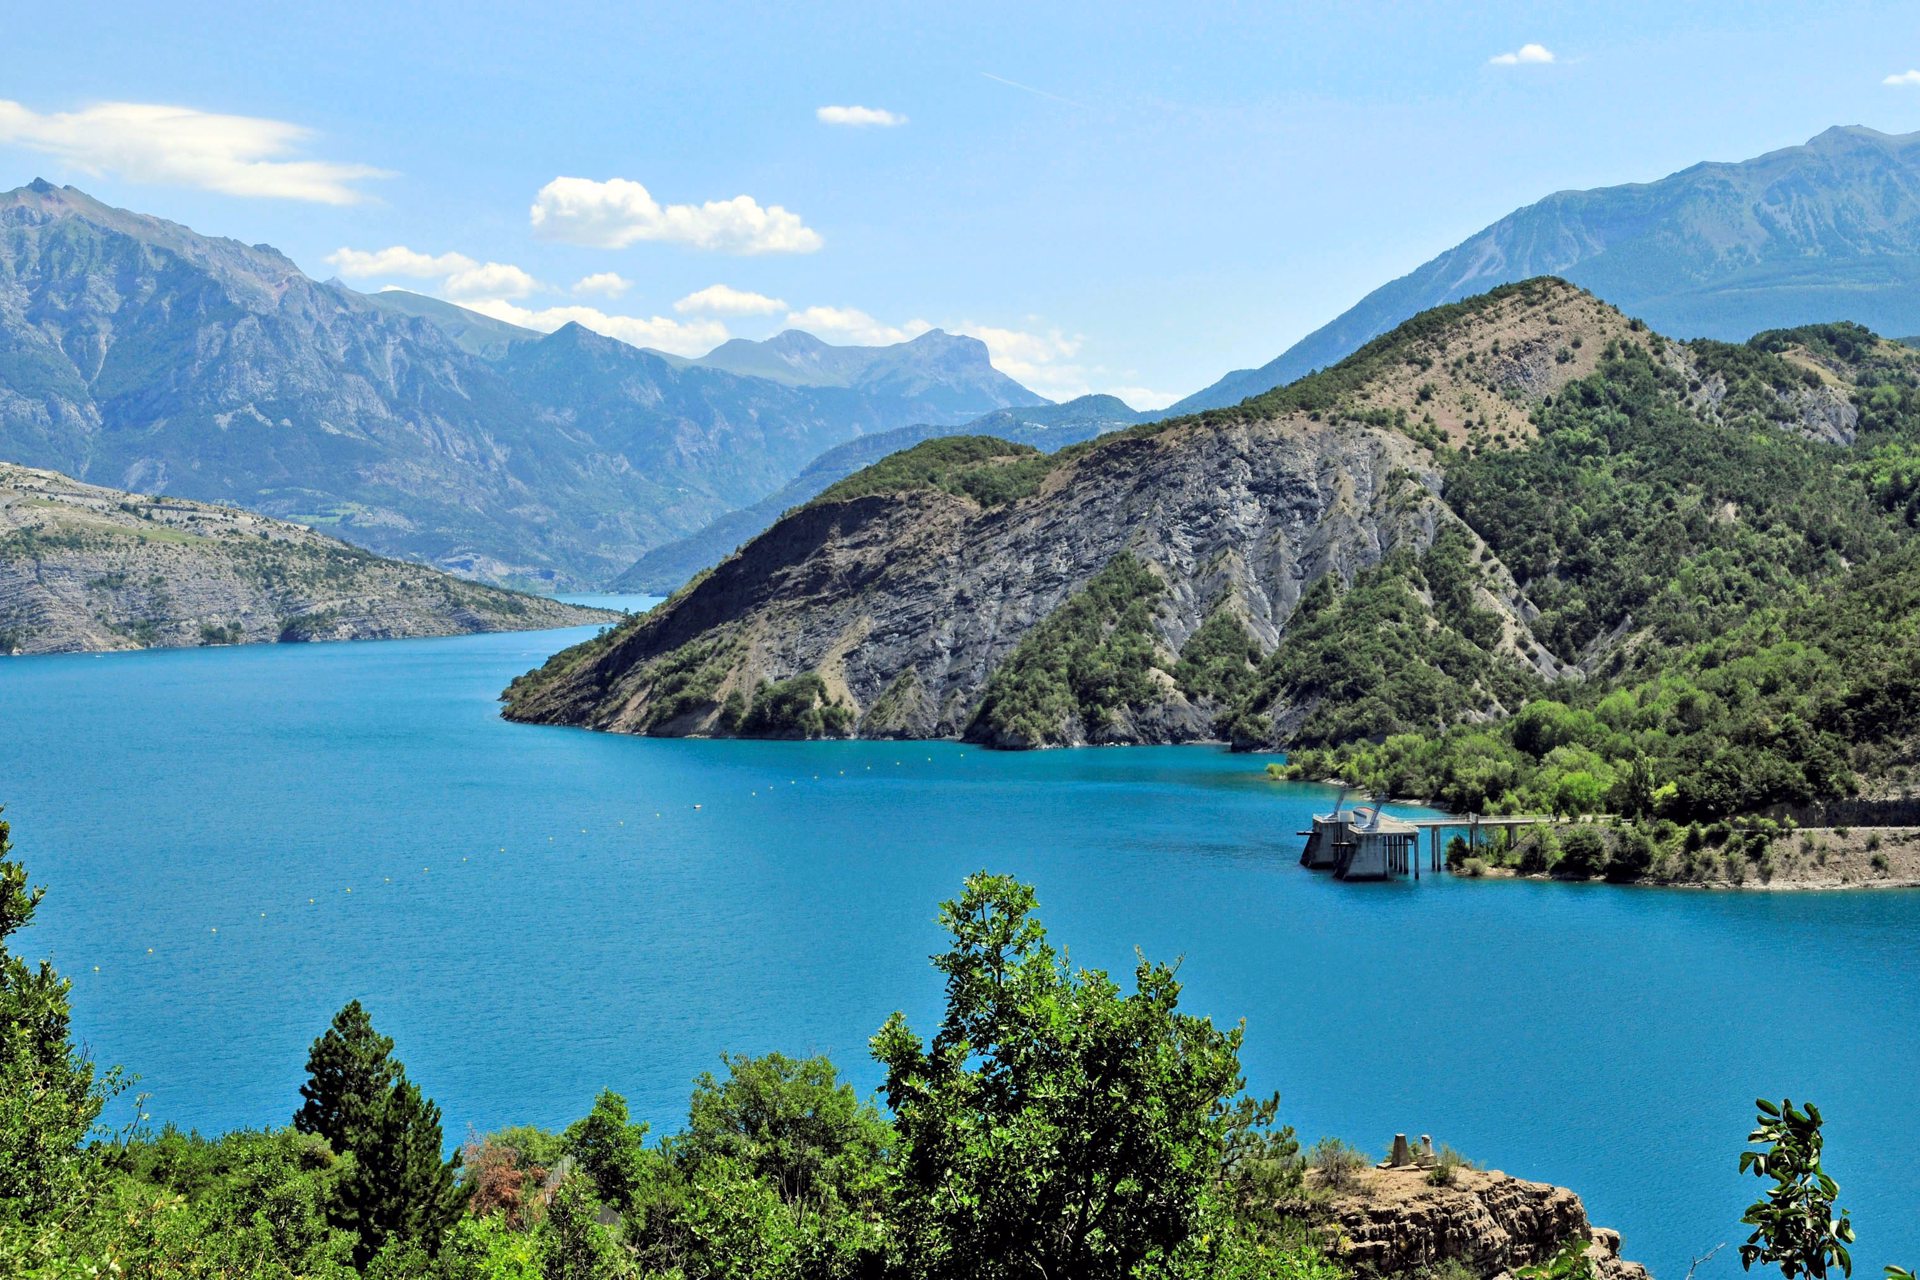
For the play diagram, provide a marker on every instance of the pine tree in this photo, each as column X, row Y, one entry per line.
column 350, row 1072
column 400, row 1188
column 49, row 1096
column 359, row 1099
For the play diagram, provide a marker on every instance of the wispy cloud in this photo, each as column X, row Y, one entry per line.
column 1534, row 54
column 1903, row 78
column 860, row 117
column 1027, row 88
column 180, row 146
column 724, row 300
column 620, row 212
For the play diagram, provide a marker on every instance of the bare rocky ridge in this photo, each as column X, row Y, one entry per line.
column 84, row 569
column 1394, row 1222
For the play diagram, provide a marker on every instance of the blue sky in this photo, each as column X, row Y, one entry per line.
column 1123, row 198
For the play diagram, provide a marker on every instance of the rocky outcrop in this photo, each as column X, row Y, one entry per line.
column 907, row 600
column 1395, row 1222
column 85, row 569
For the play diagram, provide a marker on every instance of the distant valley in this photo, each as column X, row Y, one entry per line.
column 666, row 569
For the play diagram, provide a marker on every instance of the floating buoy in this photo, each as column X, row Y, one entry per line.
column 309, row 901
column 213, row 930
column 96, row 968
column 696, row 806
column 149, row 950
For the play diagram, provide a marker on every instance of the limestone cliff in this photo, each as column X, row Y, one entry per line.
column 1394, row 1222
column 84, row 568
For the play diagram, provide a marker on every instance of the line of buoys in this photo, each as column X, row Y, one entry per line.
column 427, row 870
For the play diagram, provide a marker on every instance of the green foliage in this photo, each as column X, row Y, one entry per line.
column 991, row 471
column 611, row 1151
column 1053, row 1126
column 791, row 1123
column 1795, row 1224
column 1084, row 662
column 1569, row 1262
column 359, row 1100
column 50, row 1095
column 1219, row 661
column 797, row 708
column 1369, row 662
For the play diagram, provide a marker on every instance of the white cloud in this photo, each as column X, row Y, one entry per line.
column 684, row 338
column 490, row 280
column 724, row 300
column 1145, row 398
column 1527, row 53
column 459, row 275
column 179, row 146
column 1042, row 361
column 603, row 284
column 1903, row 78
column 396, row 260
column 860, row 117
column 849, row 325
column 619, row 212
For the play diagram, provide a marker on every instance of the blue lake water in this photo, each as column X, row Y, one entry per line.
column 243, row 839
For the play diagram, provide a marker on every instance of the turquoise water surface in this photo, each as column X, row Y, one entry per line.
column 243, row 839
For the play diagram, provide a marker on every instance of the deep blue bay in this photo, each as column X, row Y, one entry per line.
column 535, row 914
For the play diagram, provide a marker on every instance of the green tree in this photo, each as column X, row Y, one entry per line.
column 1054, row 1127
column 1795, row 1225
column 400, row 1189
column 350, row 1073
column 49, row 1093
column 790, row 1121
column 611, row 1151
column 359, row 1099
column 574, row 1243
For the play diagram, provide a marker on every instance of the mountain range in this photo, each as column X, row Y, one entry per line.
column 1828, row 230
column 137, row 353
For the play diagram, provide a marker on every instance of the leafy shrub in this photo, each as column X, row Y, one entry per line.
column 1338, row 1164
